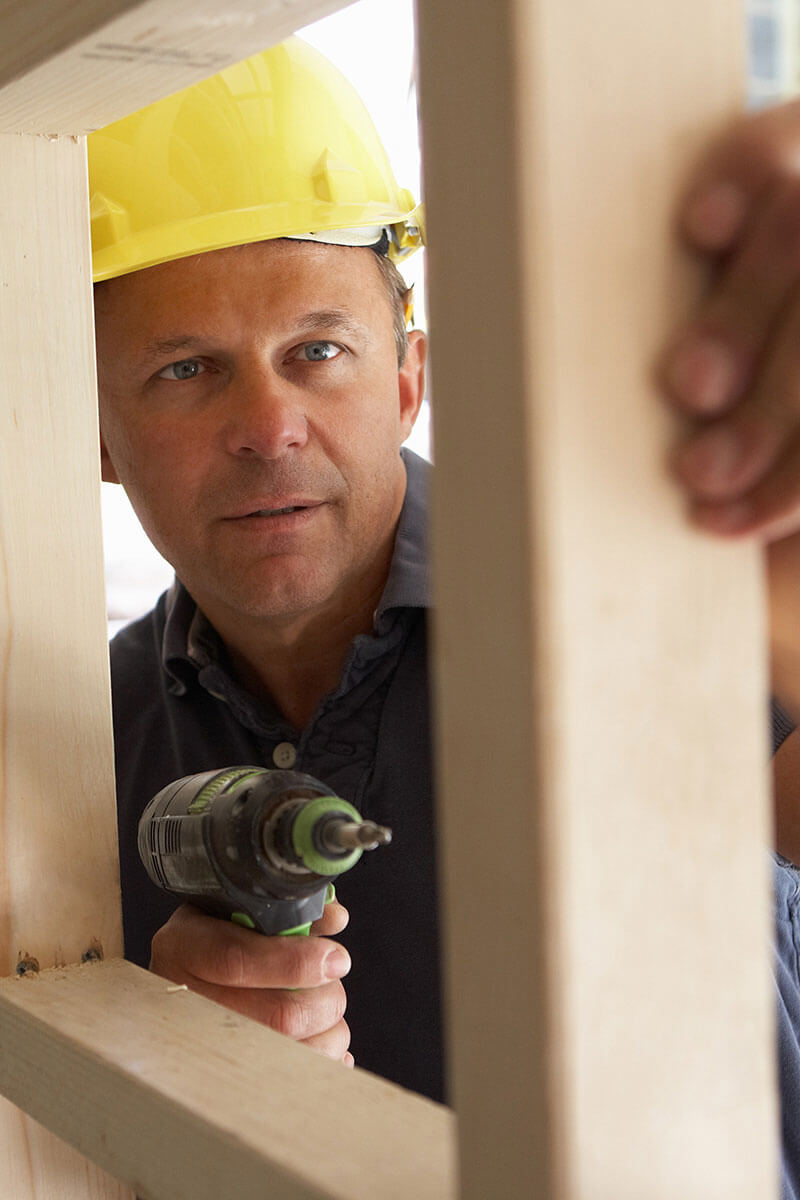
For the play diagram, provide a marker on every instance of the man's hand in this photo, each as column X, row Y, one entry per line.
column 736, row 368
column 290, row 983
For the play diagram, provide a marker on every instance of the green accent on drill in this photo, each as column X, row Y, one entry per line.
column 242, row 919
column 219, row 783
column 305, row 930
column 247, row 922
column 303, row 836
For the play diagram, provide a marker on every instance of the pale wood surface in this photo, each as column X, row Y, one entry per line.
column 36, row 1165
column 59, row 881
column 59, row 890
column 72, row 67
column 600, row 675
column 188, row 1101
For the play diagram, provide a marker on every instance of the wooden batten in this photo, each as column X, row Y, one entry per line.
column 70, row 68
column 601, row 681
column 60, row 892
column 59, row 887
column 186, row 1100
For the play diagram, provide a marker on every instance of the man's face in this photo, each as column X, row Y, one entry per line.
column 252, row 407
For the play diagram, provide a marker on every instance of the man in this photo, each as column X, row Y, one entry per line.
column 254, row 399
column 256, row 385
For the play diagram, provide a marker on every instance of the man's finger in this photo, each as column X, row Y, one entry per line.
column 724, row 461
column 749, row 458
column 219, row 952
column 772, row 509
column 333, row 1042
column 712, row 363
column 301, row 1014
column 333, row 920
column 751, row 155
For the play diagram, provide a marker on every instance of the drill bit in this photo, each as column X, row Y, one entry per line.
column 356, row 835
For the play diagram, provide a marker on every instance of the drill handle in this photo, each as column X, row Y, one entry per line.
column 267, row 915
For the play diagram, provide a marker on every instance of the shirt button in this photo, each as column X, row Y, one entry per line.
column 284, row 755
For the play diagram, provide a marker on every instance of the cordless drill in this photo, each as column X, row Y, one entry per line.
column 257, row 846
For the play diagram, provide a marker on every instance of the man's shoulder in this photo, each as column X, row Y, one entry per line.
column 418, row 474
column 140, row 642
column 140, row 682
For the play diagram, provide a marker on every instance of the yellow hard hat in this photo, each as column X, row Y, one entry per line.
column 279, row 145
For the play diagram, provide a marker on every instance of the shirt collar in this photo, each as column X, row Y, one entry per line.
column 409, row 583
column 191, row 641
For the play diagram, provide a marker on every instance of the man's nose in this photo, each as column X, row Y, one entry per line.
column 265, row 414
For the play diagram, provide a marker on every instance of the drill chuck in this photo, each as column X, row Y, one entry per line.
column 257, row 846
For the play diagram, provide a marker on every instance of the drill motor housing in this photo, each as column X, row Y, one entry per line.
column 249, row 844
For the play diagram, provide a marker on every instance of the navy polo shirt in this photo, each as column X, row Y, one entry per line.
column 179, row 710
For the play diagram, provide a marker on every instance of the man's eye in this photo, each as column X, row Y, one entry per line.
column 187, row 368
column 318, row 351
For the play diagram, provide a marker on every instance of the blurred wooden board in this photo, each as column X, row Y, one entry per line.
column 68, row 68
column 601, row 674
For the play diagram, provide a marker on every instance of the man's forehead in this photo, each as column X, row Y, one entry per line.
column 189, row 307
column 273, row 264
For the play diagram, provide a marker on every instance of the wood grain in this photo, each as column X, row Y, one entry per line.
column 70, row 68
column 601, row 681
column 188, row 1101
column 59, row 887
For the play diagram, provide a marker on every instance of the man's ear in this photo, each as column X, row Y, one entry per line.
column 412, row 380
column 107, row 472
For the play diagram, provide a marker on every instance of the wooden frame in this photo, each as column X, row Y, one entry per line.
column 600, row 679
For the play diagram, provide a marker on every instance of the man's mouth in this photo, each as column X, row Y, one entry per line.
column 278, row 512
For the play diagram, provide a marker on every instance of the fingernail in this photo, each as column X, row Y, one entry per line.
column 348, row 1060
column 702, row 372
column 715, row 215
column 336, row 964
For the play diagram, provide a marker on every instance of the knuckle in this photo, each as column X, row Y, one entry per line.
column 165, row 957
column 304, row 964
column 294, row 955
column 309, row 1013
column 333, row 1043
column 289, row 958
column 338, row 999
column 157, row 947
column 230, row 963
column 289, row 1016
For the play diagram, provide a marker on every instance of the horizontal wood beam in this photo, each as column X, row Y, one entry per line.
column 185, row 1100
column 70, row 68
